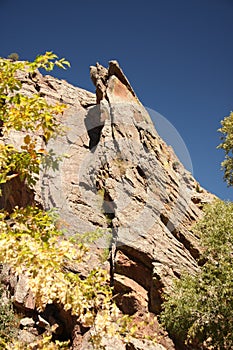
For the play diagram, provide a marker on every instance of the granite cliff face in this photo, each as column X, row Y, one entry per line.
column 120, row 176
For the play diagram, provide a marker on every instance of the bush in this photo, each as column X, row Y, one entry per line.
column 227, row 146
column 8, row 321
column 200, row 309
column 13, row 56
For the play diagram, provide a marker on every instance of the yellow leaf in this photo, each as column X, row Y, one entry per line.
column 42, row 150
column 27, row 139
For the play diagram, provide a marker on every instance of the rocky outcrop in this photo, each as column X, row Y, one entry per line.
column 117, row 174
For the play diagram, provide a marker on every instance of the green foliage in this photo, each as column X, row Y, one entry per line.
column 29, row 114
column 13, row 56
column 29, row 238
column 48, row 61
column 227, row 146
column 200, row 309
column 14, row 163
column 102, row 235
column 8, row 321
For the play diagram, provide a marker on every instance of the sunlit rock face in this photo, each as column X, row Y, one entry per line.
column 117, row 174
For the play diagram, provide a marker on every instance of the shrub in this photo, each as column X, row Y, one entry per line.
column 8, row 321
column 13, row 56
column 227, row 146
column 200, row 309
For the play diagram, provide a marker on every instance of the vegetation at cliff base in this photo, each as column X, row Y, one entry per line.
column 200, row 309
column 8, row 321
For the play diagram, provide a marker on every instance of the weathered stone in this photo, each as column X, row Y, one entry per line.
column 99, row 76
column 148, row 327
column 23, row 296
column 85, row 343
column 112, row 343
column 150, row 202
column 118, row 175
column 15, row 193
column 107, row 343
column 130, row 296
column 27, row 322
column 139, row 344
column 26, row 337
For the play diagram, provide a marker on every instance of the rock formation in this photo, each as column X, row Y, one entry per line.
column 117, row 174
column 120, row 175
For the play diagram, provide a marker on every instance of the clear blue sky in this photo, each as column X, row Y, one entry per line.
column 177, row 54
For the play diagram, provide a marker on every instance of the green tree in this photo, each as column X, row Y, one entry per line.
column 200, row 309
column 13, row 56
column 227, row 146
column 28, row 114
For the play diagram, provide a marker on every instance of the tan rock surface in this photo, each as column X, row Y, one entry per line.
column 119, row 175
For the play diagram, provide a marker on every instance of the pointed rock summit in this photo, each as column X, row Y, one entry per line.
column 117, row 82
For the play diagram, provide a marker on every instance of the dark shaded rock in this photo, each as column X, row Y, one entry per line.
column 15, row 193
column 129, row 295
